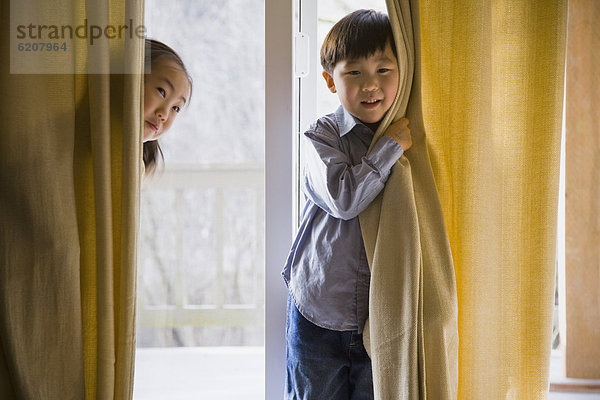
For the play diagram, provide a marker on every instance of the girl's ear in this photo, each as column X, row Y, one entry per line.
column 329, row 81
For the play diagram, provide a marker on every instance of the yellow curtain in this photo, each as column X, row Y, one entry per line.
column 69, row 177
column 492, row 87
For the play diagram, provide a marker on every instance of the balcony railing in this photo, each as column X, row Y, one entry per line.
column 246, row 181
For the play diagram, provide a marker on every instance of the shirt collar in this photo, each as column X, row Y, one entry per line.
column 346, row 121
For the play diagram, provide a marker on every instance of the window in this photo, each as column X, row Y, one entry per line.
column 211, row 316
column 200, row 316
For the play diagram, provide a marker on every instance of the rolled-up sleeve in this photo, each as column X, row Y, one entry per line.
column 331, row 181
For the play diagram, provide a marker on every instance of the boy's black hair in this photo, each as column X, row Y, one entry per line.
column 357, row 35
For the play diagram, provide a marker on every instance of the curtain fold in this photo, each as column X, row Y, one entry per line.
column 411, row 334
column 492, row 76
column 70, row 176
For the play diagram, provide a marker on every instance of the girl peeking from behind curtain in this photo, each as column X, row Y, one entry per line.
column 167, row 89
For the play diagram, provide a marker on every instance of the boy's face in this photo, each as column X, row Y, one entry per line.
column 366, row 87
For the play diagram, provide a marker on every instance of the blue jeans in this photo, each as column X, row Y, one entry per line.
column 323, row 364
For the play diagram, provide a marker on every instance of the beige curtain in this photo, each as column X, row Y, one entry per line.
column 69, row 178
column 411, row 334
column 492, row 91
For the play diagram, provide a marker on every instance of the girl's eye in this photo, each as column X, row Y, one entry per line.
column 176, row 109
column 383, row 70
column 162, row 91
column 353, row 72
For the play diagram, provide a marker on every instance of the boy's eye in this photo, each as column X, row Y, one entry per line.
column 353, row 72
column 176, row 108
column 162, row 91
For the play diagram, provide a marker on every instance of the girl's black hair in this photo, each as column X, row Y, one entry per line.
column 154, row 51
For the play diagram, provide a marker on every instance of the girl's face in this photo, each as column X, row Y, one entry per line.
column 165, row 93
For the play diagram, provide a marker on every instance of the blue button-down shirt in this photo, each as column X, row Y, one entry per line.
column 327, row 272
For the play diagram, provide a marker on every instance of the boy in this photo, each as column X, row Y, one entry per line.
column 327, row 271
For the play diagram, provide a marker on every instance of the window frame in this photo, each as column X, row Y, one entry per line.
column 280, row 115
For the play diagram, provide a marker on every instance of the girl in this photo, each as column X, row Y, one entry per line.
column 167, row 88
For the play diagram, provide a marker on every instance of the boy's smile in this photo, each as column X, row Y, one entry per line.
column 367, row 86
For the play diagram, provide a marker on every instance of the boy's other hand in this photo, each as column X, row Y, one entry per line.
column 400, row 132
